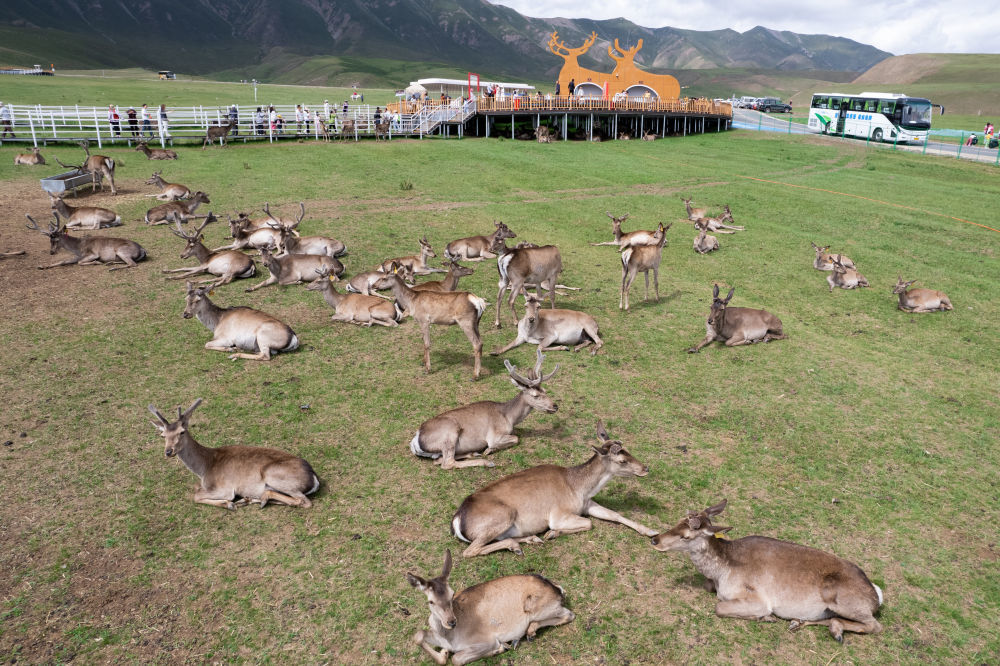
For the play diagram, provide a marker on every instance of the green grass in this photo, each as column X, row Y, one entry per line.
column 894, row 416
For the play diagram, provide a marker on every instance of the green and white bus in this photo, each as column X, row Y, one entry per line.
column 871, row 115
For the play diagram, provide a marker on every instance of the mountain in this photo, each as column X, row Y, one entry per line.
column 204, row 36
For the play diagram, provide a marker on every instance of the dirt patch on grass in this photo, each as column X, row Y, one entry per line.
column 902, row 69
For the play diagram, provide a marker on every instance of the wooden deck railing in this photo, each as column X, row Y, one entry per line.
column 561, row 104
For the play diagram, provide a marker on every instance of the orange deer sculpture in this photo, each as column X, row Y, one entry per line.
column 626, row 74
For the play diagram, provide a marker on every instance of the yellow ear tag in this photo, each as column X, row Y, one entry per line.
column 331, row 278
column 211, row 292
column 721, row 535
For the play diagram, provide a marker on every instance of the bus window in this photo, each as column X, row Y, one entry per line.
column 871, row 105
column 887, row 107
column 857, row 105
column 834, row 103
column 820, row 102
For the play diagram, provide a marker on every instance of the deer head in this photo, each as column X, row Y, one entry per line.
column 193, row 238
column 531, row 385
column 718, row 311
column 195, row 295
column 613, row 454
column 173, row 433
column 902, row 286
column 439, row 593
column 55, row 231
column 697, row 525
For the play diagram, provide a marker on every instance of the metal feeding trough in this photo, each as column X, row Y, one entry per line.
column 59, row 184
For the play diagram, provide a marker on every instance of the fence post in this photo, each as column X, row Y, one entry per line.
column 927, row 139
column 97, row 128
column 961, row 143
column 31, row 124
column 79, row 118
column 52, row 117
column 760, row 122
column 161, row 132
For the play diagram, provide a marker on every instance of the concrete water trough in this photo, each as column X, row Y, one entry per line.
column 59, row 184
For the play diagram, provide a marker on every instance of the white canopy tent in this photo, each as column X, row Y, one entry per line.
column 458, row 87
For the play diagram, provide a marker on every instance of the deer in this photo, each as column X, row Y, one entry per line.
column 642, row 259
column 519, row 266
column 89, row 250
column 452, row 438
column 445, row 308
column 168, row 191
column 239, row 328
column 450, row 281
column 179, row 211
column 649, row 136
column 294, row 268
column 219, row 132
column 416, row 263
column 703, row 243
column 33, row 158
column 155, row 153
column 226, row 265
column 382, row 131
column 542, row 134
column 232, row 476
column 246, row 235
column 919, row 300
column 362, row 283
column 624, row 136
column 322, row 130
column 347, row 129
column 716, row 224
column 483, row 620
column 85, row 217
column 738, row 326
column 292, row 243
column 547, row 498
column 98, row 166
column 354, row 308
column 631, row 238
column 760, row 578
column 844, row 277
column 476, row 248
column 824, row 260
column 553, row 330
column 692, row 212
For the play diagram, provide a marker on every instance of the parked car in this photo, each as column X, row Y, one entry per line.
column 772, row 105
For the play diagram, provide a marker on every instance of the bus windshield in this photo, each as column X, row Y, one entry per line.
column 916, row 114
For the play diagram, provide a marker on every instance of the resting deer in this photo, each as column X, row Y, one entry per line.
column 476, row 248
column 98, row 166
column 718, row 224
column 483, row 620
column 89, row 250
column 632, row 238
column 453, row 437
column 155, row 153
column 245, row 474
column 920, row 300
column 176, row 211
column 295, row 268
column 245, row 235
column 554, row 330
column 33, row 158
column 239, row 328
column 445, row 308
column 85, row 217
column 704, row 243
column 450, row 281
column 692, row 212
column 649, row 136
column 521, row 265
column 354, row 308
column 292, row 243
column 844, row 277
column 624, row 136
column 642, row 259
column 516, row 508
column 416, row 263
column 363, row 283
column 215, row 132
column 824, row 260
column 738, row 326
column 227, row 265
column 168, row 191
column 760, row 578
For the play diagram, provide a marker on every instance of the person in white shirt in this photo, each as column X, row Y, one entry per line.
column 147, row 129
column 326, row 109
column 298, row 118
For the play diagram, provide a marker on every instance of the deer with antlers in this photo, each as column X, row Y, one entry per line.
column 85, row 217
column 246, row 235
column 34, row 158
column 920, row 300
column 231, row 476
column 292, row 243
column 226, row 265
column 98, row 166
column 477, row 248
column 89, row 250
column 738, row 326
column 416, row 263
column 453, row 438
column 844, row 277
column 354, row 308
column 176, row 211
column 295, row 268
column 168, row 191
column 155, row 153
column 522, row 265
column 631, row 238
column 642, row 259
column 554, row 330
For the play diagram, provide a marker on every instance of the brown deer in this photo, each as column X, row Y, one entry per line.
column 216, row 132
column 416, row 263
column 624, row 136
column 631, row 238
column 486, row 619
column 738, row 326
column 521, row 265
column 348, row 129
column 155, row 153
column 176, row 211
column 760, row 578
column 476, row 248
column 227, row 265
column 554, row 330
column 363, row 283
column 168, row 191
column 85, row 217
column 382, row 131
column 292, row 243
column 355, row 308
column 33, row 158
column 824, row 260
column 450, row 281
column 98, row 166
column 232, row 476
column 704, row 243
column 239, row 328
column 547, row 498
column 322, row 130
column 844, row 277
column 920, row 300
column 649, row 136
column 642, row 259
column 89, row 250
column 694, row 214
column 452, row 438
column 246, row 235
column 444, row 308
column 542, row 134
column 295, row 268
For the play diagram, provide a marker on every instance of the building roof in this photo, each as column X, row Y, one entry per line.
column 427, row 83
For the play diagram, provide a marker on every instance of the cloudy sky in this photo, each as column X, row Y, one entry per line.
column 897, row 26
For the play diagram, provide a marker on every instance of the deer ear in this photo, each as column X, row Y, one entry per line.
column 602, row 434
column 446, row 570
column 715, row 292
column 416, row 581
column 717, row 509
column 730, row 295
column 717, row 530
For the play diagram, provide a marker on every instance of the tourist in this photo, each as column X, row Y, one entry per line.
column 298, row 118
column 6, row 122
column 378, row 116
column 345, row 107
column 308, row 118
column 326, row 109
column 258, row 121
column 164, row 124
column 114, row 120
column 557, row 89
column 147, row 128
column 571, row 87
column 234, row 119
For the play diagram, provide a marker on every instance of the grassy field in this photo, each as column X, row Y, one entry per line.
column 869, row 432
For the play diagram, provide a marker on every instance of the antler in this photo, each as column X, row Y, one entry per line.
column 323, row 271
column 535, row 377
column 180, row 232
column 302, row 215
column 69, row 166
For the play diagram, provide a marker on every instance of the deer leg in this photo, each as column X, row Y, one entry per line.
column 440, row 658
column 187, row 270
column 656, row 281
column 425, row 331
column 482, row 547
column 263, row 355
column 270, row 280
column 500, row 443
column 129, row 262
column 471, row 331
column 270, row 494
column 567, row 524
column 597, row 511
column 560, row 616
column 518, row 341
column 66, row 262
column 595, row 339
column 223, row 498
column 476, row 652
column 447, row 461
column 645, row 274
column 738, row 339
column 838, row 625
column 697, row 348
column 503, row 286
column 750, row 608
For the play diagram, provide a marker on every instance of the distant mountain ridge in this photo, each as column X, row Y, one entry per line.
column 202, row 36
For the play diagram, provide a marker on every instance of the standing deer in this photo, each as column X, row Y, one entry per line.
column 176, row 211
column 450, row 281
column 355, row 308
column 476, row 248
column 760, row 578
column 624, row 240
column 89, row 250
column 642, row 259
column 516, row 508
column 416, row 263
column 98, row 166
column 549, row 328
column 245, row 474
column 738, row 326
column 295, row 268
column 322, row 130
column 824, row 260
column 219, row 132
column 920, row 300
column 453, row 437
column 85, row 217
column 155, row 153
column 227, row 265
column 239, row 328
column 33, row 158
column 521, row 265
column 382, row 131
column 445, row 308
column 168, row 191
column 704, row 243
column 348, row 129
column 292, row 243
column 844, row 277
column 483, row 620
